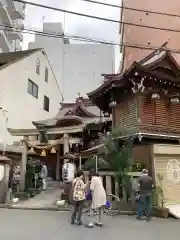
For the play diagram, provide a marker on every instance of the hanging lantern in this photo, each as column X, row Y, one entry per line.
column 106, row 114
column 155, row 96
column 32, row 150
column 174, row 99
column 43, row 153
column 112, row 104
column 53, row 150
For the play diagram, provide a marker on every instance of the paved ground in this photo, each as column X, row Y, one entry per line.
column 47, row 225
column 45, row 199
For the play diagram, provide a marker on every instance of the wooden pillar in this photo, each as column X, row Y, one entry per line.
column 116, row 188
column 57, row 166
column 23, row 166
column 66, row 144
column 113, row 118
column 108, row 185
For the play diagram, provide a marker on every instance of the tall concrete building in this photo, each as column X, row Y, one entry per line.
column 54, row 47
column 145, row 36
column 77, row 67
column 11, row 25
column 84, row 65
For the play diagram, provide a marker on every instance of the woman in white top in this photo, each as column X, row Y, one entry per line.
column 98, row 198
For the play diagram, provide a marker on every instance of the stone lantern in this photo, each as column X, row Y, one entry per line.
column 5, row 163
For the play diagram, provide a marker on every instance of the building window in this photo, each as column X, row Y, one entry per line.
column 32, row 88
column 46, row 74
column 46, row 103
column 38, row 66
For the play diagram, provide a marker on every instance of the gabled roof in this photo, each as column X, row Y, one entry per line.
column 82, row 111
column 9, row 58
column 159, row 61
column 6, row 59
column 161, row 57
column 160, row 65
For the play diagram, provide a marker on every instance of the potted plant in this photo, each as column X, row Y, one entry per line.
column 161, row 210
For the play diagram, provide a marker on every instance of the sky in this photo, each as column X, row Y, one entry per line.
column 76, row 25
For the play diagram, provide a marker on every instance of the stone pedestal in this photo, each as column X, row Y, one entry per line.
column 4, row 183
column 67, row 192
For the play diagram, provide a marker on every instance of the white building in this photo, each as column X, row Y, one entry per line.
column 29, row 90
column 11, row 25
column 83, row 67
column 53, row 47
column 78, row 67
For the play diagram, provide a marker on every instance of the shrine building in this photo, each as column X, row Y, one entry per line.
column 145, row 100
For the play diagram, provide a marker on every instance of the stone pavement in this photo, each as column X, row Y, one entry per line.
column 46, row 199
column 49, row 225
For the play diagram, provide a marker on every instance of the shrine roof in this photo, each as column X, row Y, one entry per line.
column 161, row 56
column 80, row 112
column 159, row 62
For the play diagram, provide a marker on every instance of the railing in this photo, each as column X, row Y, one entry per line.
column 4, row 33
column 20, row 7
column 159, row 129
column 18, row 23
column 3, row 2
column 110, row 183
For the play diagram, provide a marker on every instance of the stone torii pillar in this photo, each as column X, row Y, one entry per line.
column 23, row 164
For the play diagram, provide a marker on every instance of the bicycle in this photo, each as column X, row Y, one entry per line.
column 111, row 209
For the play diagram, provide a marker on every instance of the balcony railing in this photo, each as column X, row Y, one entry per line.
column 18, row 23
column 4, row 43
column 20, row 7
column 16, row 9
column 12, row 34
column 3, row 3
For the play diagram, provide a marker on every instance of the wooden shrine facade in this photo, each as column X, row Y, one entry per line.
column 145, row 98
column 75, row 128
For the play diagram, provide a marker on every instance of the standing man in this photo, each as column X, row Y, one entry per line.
column 145, row 191
column 44, row 175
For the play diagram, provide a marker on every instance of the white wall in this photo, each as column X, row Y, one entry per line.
column 83, row 66
column 53, row 47
column 22, row 107
column 78, row 67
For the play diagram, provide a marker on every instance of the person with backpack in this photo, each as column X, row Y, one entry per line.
column 78, row 197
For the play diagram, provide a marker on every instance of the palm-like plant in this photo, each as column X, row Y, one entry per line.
column 119, row 158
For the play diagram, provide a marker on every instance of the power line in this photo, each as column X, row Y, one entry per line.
column 96, row 17
column 132, row 9
column 80, row 38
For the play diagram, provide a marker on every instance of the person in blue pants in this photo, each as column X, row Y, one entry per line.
column 144, row 202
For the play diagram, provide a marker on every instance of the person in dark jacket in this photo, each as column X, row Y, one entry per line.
column 145, row 195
